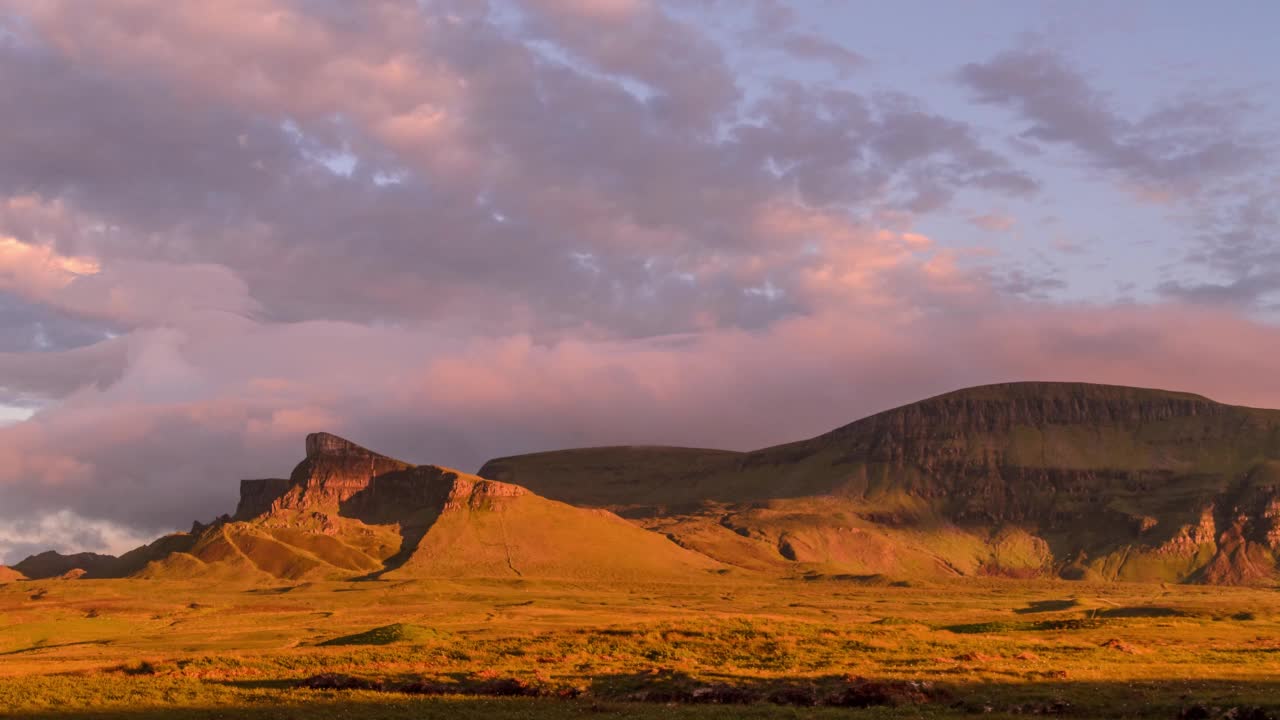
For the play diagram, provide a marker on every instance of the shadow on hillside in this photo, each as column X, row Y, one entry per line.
column 411, row 499
column 1048, row 606
column 41, row 646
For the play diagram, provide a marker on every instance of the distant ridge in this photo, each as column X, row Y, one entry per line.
column 54, row 564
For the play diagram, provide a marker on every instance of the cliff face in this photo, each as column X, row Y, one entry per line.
column 1053, row 455
column 335, row 470
column 256, row 496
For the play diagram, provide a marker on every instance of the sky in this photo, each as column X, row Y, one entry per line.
column 458, row 229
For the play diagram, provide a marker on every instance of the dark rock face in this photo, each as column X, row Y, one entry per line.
column 387, row 497
column 339, row 477
column 256, row 496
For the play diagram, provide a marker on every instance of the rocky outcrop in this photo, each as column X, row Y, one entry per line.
column 334, row 471
column 477, row 494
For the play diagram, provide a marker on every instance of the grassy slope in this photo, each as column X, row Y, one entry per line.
column 530, row 536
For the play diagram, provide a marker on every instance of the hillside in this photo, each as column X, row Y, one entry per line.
column 8, row 574
column 1016, row 479
column 347, row 512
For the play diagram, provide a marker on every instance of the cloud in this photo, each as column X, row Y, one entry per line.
column 774, row 24
column 1193, row 154
column 39, row 270
column 1238, row 242
column 639, row 153
column 66, row 532
column 1173, row 150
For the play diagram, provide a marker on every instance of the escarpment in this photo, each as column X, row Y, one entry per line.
column 1101, row 481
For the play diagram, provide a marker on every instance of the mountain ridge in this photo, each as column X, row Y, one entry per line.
column 1016, row 479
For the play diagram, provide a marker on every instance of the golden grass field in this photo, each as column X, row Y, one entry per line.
column 733, row 647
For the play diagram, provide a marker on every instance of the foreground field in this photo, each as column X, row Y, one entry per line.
column 140, row 650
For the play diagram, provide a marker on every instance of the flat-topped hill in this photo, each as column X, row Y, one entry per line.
column 1020, row 478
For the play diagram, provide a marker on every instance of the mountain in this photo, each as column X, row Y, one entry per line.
column 1018, row 479
column 346, row 512
column 8, row 574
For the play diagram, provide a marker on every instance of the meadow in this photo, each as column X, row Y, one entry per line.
column 734, row 647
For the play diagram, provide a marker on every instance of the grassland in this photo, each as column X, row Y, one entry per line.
column 140, row 650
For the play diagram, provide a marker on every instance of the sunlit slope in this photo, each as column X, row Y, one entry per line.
column 500, row 530
column 1016, row 479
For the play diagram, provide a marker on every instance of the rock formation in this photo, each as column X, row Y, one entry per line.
column 347, row 512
